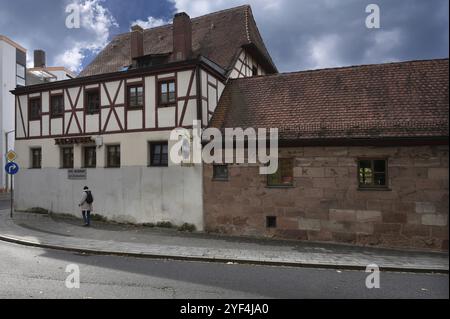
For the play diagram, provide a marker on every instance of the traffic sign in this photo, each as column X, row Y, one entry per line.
column 11, row 156
column 12, row 168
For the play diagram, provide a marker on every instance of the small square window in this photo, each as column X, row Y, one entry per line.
column 372, row 173
column 220, row 172
column 271, row 222
column 159, row 154
column 284, row 176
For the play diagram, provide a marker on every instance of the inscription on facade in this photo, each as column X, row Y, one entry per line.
column 77, row 174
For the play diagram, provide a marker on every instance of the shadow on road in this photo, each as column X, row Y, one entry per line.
column 265, row 281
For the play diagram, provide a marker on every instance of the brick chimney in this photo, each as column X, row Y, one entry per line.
column 39, row 59
column 137, row 41
column 182, row 37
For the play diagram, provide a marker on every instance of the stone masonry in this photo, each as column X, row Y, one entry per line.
column 325, row 203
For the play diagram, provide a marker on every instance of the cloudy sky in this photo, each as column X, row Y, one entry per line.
column 300, row 34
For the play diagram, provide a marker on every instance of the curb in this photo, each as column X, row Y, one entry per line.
column 217, row 260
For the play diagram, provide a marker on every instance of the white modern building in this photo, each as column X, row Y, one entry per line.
column 109, row 128
column 12, row 74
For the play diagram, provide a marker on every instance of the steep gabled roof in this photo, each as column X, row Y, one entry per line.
column 407, row 99
column 218, row 36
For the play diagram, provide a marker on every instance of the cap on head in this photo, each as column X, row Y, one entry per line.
column 86, row 188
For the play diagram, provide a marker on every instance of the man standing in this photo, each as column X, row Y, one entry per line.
column 86, row 206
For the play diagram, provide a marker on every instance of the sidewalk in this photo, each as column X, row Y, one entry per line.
column 111, row 239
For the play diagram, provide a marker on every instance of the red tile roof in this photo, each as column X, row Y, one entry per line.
column 406, row 99
column 218, row 36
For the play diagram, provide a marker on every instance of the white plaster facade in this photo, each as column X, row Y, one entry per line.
column 133, row 193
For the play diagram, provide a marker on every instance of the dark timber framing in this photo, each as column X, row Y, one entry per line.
column 73, row 113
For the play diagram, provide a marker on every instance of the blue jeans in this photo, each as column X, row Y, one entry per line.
column 87, row 217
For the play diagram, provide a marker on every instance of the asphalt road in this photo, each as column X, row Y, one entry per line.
column 27, row 272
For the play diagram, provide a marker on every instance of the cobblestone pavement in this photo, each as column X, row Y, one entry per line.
column 105, row 238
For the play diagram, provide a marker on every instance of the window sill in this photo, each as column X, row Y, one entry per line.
column 137, row 108
column 382, row 189
column 220, row 180
column 281, row 186
column 158, row 166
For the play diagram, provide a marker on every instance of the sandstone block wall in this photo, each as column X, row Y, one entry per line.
column 326, row 204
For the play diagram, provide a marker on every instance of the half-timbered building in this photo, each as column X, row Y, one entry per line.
column 109, row 127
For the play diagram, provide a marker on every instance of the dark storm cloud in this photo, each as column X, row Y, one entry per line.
column 305, row 34
column 300, row 34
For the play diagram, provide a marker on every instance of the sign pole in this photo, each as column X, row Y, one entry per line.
column 12, row 196
column 12, row 169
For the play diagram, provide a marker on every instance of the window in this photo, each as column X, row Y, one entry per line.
column 255, row 70
column 36, row 158
column 271, row 221
column 67, row 157
column 135, row 96
column 372, row 173
column 167, row 94
column 220, row 172
column 20, row 75
column 159, row 154
column 284, row 176
column 35, row 109
column 113, row 156
column 92, row 101
column 57, row 105
column 90, row 157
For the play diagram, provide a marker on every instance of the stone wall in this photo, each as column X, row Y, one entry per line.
column 326, row 204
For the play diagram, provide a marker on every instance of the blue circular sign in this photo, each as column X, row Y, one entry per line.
column 12, row 168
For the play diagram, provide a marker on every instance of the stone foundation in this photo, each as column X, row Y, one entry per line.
column 326, row 204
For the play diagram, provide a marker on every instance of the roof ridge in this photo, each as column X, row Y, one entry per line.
column 223, row 11
column 339, row 68
column 196, row 18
